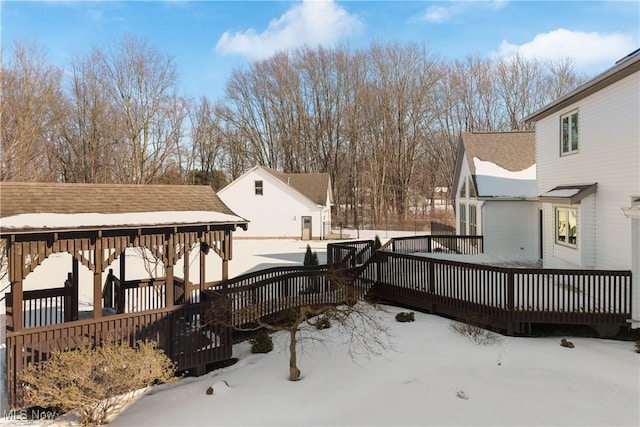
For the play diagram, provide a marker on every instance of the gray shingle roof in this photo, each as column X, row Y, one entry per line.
column 36, row 197
column 314, row 186
column 513, row 151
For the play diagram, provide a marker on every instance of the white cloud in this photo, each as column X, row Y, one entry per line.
column 590, row 51
column 441, row 14
column 311, row 22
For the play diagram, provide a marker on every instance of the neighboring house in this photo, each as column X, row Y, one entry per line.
column 588, row 159
column 282, row 205
column 495, row 192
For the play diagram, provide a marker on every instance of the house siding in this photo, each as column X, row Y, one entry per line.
column 510, row 228
column 277, row 213
column 609, row 154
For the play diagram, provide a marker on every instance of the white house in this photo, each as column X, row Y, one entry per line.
column 588, row 160
column 281, row 205
column 495, row 192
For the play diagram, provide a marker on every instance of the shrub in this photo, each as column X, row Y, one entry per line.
column 565, row 343
column 638, row 346
column 405, row 317
column 262, row 343
column 323, row 323
column 474, row 332
column 376, row 243
column 310, row 258
column 95, row 381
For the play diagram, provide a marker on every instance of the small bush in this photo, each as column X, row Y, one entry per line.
column 376, row 243
column 638, row 346
column 565, row 343
column 310, row 258
column 323, row 323
column 95, row 381
column 475, row 333
column 405, row 317
column 262, row 343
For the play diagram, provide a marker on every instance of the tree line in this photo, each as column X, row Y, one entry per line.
column 384, row 121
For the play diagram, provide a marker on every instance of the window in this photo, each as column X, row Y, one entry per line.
column 463, row 219
column 473, row 221
column 463, row 190
column 258, row 187
column 567, row 226
column 569, row 133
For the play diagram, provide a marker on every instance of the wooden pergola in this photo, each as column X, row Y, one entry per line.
column 95, row 224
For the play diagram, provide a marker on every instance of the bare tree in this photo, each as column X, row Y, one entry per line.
column 141, row 84
column 31, row 114
column 90, row 133
column 341, row 306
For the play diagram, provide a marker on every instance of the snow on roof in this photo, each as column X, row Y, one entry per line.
column 495, row 181
column 55, row 221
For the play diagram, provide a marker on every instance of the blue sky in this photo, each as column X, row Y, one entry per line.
column 208, row 39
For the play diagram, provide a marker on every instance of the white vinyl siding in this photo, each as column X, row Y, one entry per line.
column 609, row 156
column 277, row 213
column 510, row 228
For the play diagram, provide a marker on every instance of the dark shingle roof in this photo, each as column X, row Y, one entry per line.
column 314, row 186
column 513, row 151
column 36, row 197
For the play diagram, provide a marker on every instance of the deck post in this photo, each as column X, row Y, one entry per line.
column 15, row 276
column 510, row 302
column 432, row 276
column 119, row 289
column 203, row 258
column 75, row 284
column 170, row 289
column 185, row 271
column 97, row 276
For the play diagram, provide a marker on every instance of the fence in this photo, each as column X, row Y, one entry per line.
column 179, row 331
column 466, row 245
column 135, row 295
column 277, row 290
column 510, row 298
column 47, row 306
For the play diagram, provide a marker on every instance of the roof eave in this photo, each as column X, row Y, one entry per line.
column 614, row 74
column 25, row 230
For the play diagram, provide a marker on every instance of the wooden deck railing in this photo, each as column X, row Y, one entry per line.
column 466, row 245
column 43, row 307
column 512, row 298
column 509, row 298
column 349, row 254
column 134, row 295
column 177, row 330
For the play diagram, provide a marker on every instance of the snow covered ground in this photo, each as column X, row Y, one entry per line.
column 429, row 375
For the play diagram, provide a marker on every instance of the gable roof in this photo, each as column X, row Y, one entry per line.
column 316, row 187
column 513, row 152
column 64, row 199
column 313, row 186
column 623, row 68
